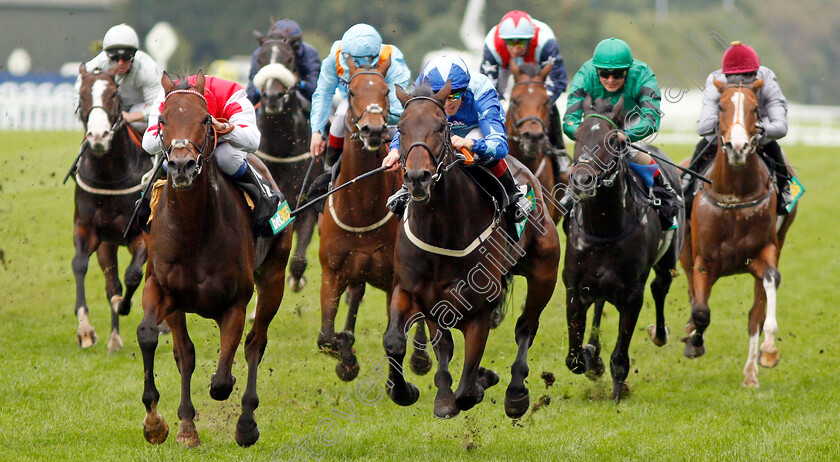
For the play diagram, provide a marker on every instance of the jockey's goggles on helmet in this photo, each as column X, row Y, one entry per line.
column 361, row 60
column 455, row 95
column 516, row 42
column 121, row 54
column 618, row 74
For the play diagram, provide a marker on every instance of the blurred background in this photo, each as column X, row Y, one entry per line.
column 42, row 43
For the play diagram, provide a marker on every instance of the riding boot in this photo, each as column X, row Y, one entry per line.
column 321, row 184
column 785, row 198
column 399, row 200
column 266, row 200
column 669, row 202
column 518, row 205
column 144, row 204
column 703, row 154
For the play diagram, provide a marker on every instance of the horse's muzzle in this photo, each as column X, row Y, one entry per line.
column 373, row 136
column 182, row 172
column 99, row 142
column 419, row 184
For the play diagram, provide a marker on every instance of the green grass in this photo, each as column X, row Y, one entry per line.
column 61, row 403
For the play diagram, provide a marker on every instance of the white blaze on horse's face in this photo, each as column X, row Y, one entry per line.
column 99, row 132
column 738, row 137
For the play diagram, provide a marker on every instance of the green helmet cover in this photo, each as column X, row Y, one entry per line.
column 612, row 53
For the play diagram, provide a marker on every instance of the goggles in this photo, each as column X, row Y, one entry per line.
column 456, row 95
column 360, row 60
column 121, row 54
column 618, row 74
column 516, row 42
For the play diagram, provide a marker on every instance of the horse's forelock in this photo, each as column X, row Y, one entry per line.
column 530, row 69
column 423, row 89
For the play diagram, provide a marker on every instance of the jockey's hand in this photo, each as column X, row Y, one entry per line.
column 392, row 160
column 622, row 135
column 317, row 145
column 131, row 117
column 459, row 143
column 221, row 127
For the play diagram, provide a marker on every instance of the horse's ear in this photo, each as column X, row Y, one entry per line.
column 259, row 36
column 402, row 95
column 587, row 104
column 546, row 70
column 166, row 82
column 383, row 67
column 720, row 85
column 199, row 81
column 82, row 70
column 618, row 109
column 351, row 65
column 112, row 71
column 444, row 92
column 757, row 85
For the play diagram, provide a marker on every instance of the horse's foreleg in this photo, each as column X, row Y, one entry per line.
column 687, row 262
column 85, row 242
column 756, row 317
column 184, row 352
column 106, row 255
column 420, row 362
column 576, row 320
column 620, row 358
column 155, row 429
column 304, row 228
column 445, row 398
column 704, row 276
column 133, row 273
column 766, row 267
column 659, row 289
column 592, row 350
column 474, row 378
column 230, row 334
column 402, row 309
column 348, row 367
column 331, row 290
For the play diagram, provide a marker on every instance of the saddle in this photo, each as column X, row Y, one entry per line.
column 489, row 184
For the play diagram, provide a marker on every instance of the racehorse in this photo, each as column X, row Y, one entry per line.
column 614, row 239
column 526, row 125
column 203, row 259
column 734, row 229
column 284, row 145
column 357, row 230
column 449, row 277
column 108, row 177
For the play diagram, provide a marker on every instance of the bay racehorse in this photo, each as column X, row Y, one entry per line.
column 734, row 229
column 614, row 239
column 284, row 146
column 357, row 229
column 108, row 176
column 455, row 260
column 203, row 259
column 526, row 124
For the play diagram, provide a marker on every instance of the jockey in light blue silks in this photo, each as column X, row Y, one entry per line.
column 477, row 123
column 363, row 44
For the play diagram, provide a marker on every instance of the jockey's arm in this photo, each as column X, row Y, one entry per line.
column 310, row 66
column 574, row 105
column 559, row 81
column 243, row 119
column 647, row 108
column 251, row 90
column 148, row 78
column 490, row 68
column 774, row 118
column 708, row 119
column 491, row 120
column 151, row 137
column 398, row 74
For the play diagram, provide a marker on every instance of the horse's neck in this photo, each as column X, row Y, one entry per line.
column 117, row 163
column 609, row 212
column 197, row 211
column 744, row 181
column 283, row 130
column 531, row 163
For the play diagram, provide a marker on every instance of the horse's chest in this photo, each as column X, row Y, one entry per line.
column 200, row 287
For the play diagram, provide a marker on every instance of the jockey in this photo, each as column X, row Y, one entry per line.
column 740, row 63
column 611, row 73
column 477, row 123
column 137, row 77
column 237, row 137
column 307, row 64
column 526, row 40
column 363, row 44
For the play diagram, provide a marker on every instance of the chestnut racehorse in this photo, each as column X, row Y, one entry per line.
column 204, row 259
column 357, row 229
column 526, row 124
column 455, row 260
column 734, row 229
column 108, row 178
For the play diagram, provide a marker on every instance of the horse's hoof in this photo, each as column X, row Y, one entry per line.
column 247, row 432
column 593, row 365
column 620, row 390
column 220, row 390
column 347, row 370
column 420, row 362
column 445, row 408
column 693, row 350
column 576, row 364
column 187, row 435
column 345, row 339
column 656, row 340
column 517, row 406
column 163, row 328
column 487, row 378
column 115, row 343
column 122, row 306
column 407, row 397
column 466, row 401
column 155, row 429
column 296, row 285
column 750, row 383
column 768, row 359
column 87, row 339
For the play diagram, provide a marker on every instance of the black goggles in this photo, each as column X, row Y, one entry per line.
column 121, row 54
column 618, row 74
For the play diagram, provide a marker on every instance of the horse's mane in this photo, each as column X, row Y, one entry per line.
column 530, row 69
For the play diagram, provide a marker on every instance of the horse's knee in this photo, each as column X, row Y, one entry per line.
column 80, row 264
column 394, row 343
column 147, row 335
column 133, row 276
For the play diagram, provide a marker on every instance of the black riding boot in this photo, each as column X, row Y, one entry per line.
column 266, row 200
column 669, row 202
column 704, row 153
column 774, row 152
column 518, row 205
column 321, row 184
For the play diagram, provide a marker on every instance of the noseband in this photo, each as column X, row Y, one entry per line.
column 352, row 125
column 183, row 143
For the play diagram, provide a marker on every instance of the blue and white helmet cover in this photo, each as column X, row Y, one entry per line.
column 361, row 40
column 441, row 69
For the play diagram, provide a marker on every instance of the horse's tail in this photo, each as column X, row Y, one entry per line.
column 506, row 299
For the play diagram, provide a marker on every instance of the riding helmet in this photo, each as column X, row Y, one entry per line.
column 443, row 68
column 740, row 59
column 120, row 36
column 612, row 53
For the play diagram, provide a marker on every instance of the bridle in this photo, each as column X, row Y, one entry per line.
column 753, row 142
column 182, row 143
column 447, row 151
column 115, row 114
column 519, row 123
column 351, row 122
column 285, row 95
column 607, row 176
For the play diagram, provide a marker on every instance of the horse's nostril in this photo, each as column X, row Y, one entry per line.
column 426, row 177
column 190, row 166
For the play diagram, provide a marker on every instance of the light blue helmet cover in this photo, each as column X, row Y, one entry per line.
column 361, row 40
column 444, row 67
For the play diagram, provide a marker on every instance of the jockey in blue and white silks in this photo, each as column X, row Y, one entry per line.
column 476, row 120
column 363, row 44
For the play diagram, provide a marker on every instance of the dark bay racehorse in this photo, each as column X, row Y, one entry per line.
column 526, row 124
column 108, row 181
column 454, row 263
column 734, row 229
column 203, row 259
column 357, row 229
column 284, row 146
column 614, row 239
